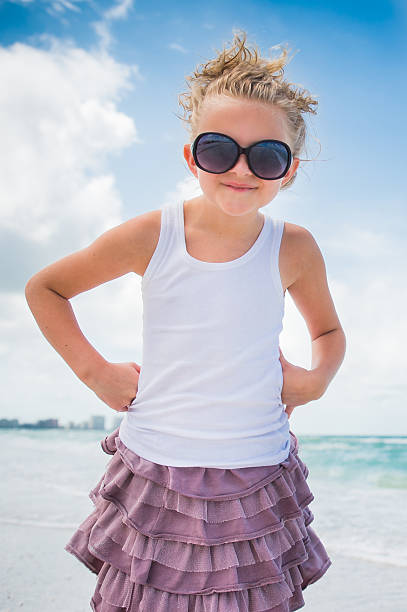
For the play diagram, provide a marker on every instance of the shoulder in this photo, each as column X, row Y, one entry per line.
column 142, row 234
column 131, row 244
column 298, row 237
column 299, row 251
column 149, row 222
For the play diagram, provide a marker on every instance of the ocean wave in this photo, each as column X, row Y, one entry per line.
column 39, row 523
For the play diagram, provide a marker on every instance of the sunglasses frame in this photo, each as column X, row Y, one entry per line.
column 240, row 150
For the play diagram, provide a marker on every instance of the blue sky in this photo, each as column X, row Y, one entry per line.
column 90, row 138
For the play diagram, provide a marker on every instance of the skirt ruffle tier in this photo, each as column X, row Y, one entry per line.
column 199, row 539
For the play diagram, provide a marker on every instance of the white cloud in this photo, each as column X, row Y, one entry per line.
column 55, row 7
column 362, row 242
column 59, row 122
column 177, row 47
column 103, row 27
column 119, row 11
column 62, row 5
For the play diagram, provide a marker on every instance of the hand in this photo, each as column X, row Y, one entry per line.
column 116, row 384
column 297, row 388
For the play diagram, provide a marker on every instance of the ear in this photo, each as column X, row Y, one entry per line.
column 189, row 158
column 292, row 170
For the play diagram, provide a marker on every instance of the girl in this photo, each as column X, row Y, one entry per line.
column 204, row 505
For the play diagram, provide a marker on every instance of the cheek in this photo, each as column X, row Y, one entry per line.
column 274, row 187
column 208, row 180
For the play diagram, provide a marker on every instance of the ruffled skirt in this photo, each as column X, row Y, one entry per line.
column 199, row 539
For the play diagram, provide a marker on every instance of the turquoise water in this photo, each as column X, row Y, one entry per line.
column 372, row 461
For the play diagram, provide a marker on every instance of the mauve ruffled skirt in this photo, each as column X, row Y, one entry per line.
column 199, row 539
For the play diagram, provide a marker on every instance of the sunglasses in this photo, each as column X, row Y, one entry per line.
column 218, row 153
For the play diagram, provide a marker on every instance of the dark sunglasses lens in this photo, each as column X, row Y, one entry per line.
column 269, row 159
column 215, row 153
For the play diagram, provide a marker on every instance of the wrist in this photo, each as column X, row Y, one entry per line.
column 91, row 372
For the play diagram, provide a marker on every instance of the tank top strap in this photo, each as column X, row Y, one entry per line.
column 277, row 234
column 169, row 236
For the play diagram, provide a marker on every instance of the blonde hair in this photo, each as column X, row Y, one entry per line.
column 241, row 72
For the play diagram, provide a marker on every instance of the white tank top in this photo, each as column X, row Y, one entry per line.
column 209, row 391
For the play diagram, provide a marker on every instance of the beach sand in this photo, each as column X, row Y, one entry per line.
column 38, row 574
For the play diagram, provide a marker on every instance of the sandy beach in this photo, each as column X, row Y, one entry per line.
column 41, row 575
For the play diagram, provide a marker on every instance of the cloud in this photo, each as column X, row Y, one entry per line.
column 56, row 7
column 103, row 27
column 61, row 5
column 177, row 47
column 363, row 242
column 59, row 123
column 119, row 11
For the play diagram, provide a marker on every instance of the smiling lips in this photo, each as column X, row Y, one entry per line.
column 239, row 186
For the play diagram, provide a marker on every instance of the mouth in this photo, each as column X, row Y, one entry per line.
column 237, row 187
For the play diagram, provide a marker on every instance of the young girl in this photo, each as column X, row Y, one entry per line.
column 204, row 505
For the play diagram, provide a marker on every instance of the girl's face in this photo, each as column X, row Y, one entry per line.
column 247, row 121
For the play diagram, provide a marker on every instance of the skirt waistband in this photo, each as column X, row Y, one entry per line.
column 203, row 482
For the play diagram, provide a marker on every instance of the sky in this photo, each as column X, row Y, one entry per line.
column 91, row 136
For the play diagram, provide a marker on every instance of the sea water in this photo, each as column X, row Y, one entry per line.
column 359, row 484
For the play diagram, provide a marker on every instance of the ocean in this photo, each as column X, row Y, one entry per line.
column 360, row 509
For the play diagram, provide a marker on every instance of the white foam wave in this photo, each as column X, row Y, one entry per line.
column 31, row 523
column 397, row 558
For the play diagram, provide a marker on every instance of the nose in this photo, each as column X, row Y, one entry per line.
column 241, row 165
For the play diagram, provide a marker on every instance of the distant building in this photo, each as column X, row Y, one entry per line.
column 97, row 422
column 9, row 423
column 47, row 423
column 42, row 424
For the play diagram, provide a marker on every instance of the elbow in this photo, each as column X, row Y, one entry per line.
column 28, row 287
column 37, row 284
column 31, row 287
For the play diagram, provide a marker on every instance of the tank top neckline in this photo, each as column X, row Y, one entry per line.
column 214, row 265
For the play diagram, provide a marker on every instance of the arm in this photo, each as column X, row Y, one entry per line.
column 123, row 249
column 311, row 294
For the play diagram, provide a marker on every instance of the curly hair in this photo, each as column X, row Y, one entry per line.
column 242, row 72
